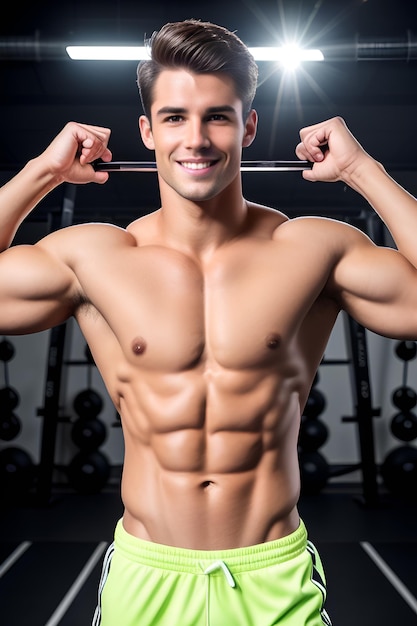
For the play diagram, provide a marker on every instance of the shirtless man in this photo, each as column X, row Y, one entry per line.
column 208, row 319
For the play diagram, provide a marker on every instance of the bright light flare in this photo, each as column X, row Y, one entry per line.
column 290, row 55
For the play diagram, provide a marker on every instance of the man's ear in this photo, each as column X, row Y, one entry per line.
column 251, row 125
column 146, row 132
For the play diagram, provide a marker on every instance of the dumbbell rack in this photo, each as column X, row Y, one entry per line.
column 50, row 412
column 365, row 412
column 52, row 393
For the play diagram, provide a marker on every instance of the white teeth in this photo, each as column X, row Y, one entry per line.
column 195, row 166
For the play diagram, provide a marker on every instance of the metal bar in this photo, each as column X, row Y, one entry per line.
column 246, row 166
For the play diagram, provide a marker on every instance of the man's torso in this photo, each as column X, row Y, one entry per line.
column 209, row 364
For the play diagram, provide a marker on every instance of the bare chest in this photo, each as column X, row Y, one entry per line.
column 168, row 312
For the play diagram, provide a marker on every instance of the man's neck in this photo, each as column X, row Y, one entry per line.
column 201, row 228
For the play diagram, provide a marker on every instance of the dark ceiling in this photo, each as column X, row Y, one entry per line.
column 370, row 78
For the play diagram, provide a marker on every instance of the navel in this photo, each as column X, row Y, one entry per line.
column 273, row 341
column 138, row 345
column 206, row 484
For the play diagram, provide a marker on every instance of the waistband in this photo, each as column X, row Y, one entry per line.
column 193, row 561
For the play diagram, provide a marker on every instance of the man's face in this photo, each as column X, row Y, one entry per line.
column 197, row 133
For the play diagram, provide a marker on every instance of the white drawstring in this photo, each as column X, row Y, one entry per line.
column 221, row 565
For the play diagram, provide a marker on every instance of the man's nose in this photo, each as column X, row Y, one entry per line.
column 196, row 135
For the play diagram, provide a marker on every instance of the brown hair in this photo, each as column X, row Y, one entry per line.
column 200, row 47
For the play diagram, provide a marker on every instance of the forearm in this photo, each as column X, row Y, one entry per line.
column 67, row 158
column 396, row 206
column 21, row 194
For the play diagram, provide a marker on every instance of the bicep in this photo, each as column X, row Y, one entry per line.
column 35, row 290
column 378, row 287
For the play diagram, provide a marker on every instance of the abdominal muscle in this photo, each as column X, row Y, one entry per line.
column 212, row 465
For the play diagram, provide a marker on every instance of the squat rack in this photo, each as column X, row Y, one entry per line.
column 56, row 354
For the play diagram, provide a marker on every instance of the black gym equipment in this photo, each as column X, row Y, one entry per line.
column 316, row 403
column 88, row 403
column 7, row 350
column 50, row 412
column 89, row 434
column 364, row 411
column 406, row 350
column 88, row 472
column 246, row 166
column 17, row 472
column 313, row 434
column 399, row 471
column 314, row 472
column 404, row 426
column 404, row 398
column 10, row 426
column 9, row 398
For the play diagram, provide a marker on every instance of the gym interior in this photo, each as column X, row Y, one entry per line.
column 61, row 443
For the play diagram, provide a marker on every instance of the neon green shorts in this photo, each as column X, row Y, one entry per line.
column 146, row 584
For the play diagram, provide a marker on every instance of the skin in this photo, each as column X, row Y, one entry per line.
column 208, row 318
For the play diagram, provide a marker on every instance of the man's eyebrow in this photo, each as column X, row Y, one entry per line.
column 171, row 110
column 226, row 108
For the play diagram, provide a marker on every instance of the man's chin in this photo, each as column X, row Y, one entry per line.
column 199, row 196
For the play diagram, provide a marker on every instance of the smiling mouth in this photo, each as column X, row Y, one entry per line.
column 192, row 165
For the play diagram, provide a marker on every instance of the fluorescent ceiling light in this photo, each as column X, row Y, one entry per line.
column 138, row 53
column 107, row 53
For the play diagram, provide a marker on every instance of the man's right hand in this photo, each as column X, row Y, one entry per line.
column 70, row 154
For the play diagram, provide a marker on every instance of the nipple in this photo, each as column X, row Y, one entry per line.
column 272, row 341
column 138, row 345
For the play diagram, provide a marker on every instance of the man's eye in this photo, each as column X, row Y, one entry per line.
column 174, row 118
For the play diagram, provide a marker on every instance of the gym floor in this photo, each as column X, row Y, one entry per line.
column 50, row 556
